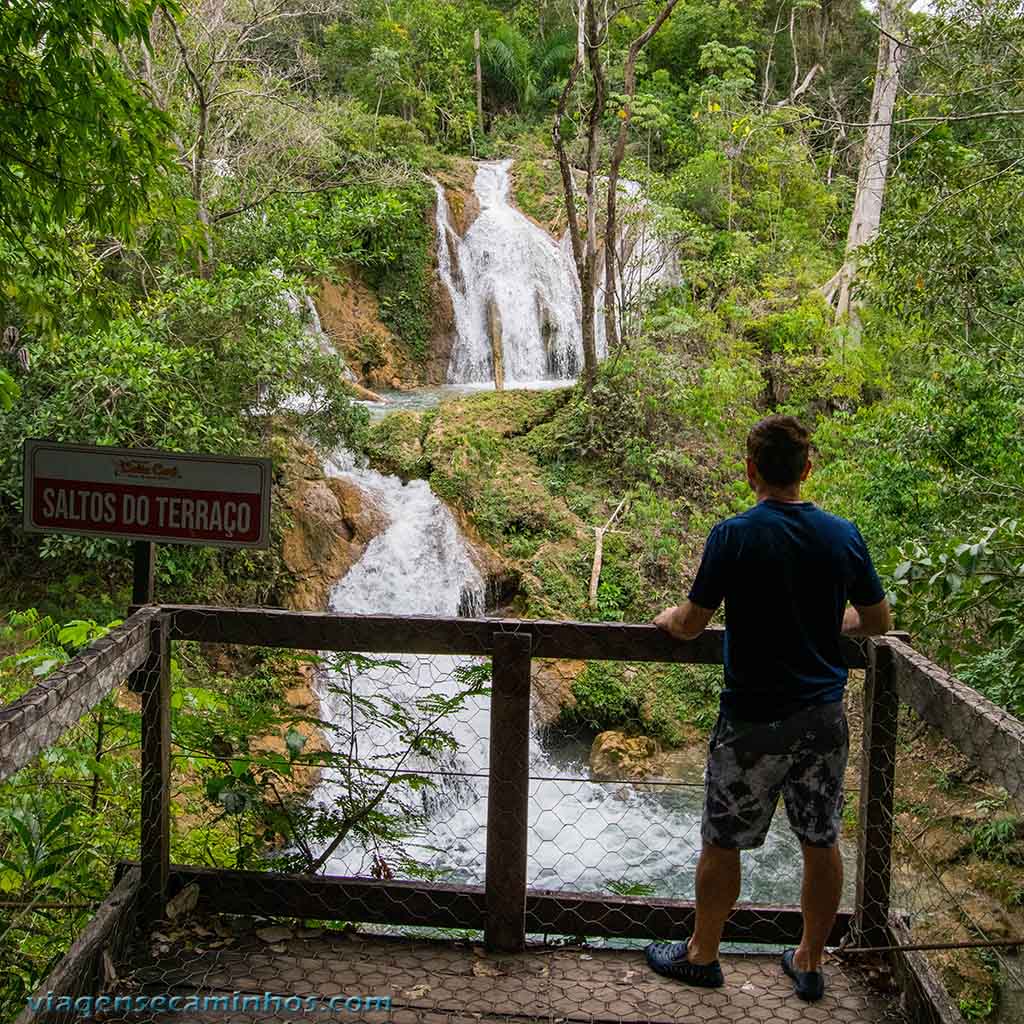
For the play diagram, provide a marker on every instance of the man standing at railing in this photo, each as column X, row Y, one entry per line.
column 786, row 570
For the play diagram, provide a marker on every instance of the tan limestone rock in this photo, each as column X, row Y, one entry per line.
column 553, row 679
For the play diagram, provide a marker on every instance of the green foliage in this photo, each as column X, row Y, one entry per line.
column 410, row 58
column 403, row 275
column 505, row 59
column 931, row 477
column 311, row 235
column 84, row 152
column 65, row 819
column 254, row 795
column 9, row 390
column 40, row 852
column 624, row 887
column 632, row 414
column 182, row 374
column 977, row 1005
column 996, row 840
column 658, row 700
column 603, row 699
column 728, row 73
column 524, row 74
column 639, row 419
column 395, row 444
column 40, row 646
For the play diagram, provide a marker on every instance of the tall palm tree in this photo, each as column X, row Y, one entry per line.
column 521, row 75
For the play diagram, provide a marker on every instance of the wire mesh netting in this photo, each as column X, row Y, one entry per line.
column 326, row 817
column 69, row 790
column 958, row 853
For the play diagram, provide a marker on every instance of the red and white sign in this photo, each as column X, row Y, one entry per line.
column 137, row 494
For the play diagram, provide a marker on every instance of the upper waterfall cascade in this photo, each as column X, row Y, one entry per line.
column 510, row 275
column 515, row 291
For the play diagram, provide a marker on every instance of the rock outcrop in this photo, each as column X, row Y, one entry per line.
column 442, row 328
column 350, row 316
column 551, row 691
column 463, row 205
column 333, row 522
column 301, row 698
column 618, row 755
column 501, row 579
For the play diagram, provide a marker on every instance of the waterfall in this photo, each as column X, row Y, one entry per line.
column 646, row 262
column 515, row 290
column 582, row 835
column 508, row 271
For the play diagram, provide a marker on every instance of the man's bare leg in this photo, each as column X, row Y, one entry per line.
column 718, row 888
column 819, row 900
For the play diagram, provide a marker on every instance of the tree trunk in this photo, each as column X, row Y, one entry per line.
column 874, row 163
column 198, row 168
column 583, row 250
column 198, row 187
column 591, row 31
column 479, row 81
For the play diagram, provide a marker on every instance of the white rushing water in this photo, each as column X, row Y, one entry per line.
column 512, row 285
column 508, row 271
column 583, row 835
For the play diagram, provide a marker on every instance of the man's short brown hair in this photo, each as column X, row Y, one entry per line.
column 779, row 446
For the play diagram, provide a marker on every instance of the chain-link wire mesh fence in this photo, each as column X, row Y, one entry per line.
column 324, row 817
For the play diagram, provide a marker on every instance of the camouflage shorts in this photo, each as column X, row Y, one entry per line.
column 803, row 757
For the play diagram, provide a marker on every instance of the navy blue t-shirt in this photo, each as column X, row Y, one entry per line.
column 785, row 571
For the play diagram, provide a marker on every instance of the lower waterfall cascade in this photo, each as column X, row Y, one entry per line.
column 583, row 834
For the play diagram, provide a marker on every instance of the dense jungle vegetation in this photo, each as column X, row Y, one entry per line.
column 177, row 175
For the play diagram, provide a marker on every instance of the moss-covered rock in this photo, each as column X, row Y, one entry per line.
column 477, row 464
column 502, row 413
column 537, row 190
column 664, row 701
column 551, row 686
column 395, row 445
column 618, row 755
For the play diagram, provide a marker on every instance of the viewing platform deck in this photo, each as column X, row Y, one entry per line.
column 453, row 981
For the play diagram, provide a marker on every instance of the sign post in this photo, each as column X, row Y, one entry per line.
column 143, row 572
column 147, row 497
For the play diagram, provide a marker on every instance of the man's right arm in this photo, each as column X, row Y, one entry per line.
column 867, row 620
column 868, row 614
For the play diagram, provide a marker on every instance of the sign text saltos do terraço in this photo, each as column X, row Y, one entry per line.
column 138, row 494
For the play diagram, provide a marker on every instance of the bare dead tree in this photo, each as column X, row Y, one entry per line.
column 593, row 21
column 244, row 123
column 874, row 162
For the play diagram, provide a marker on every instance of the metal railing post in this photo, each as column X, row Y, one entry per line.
column 878, row 769
column 153, row 682
column 508, row 793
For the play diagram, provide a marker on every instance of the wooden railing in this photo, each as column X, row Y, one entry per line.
column 504, row 907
